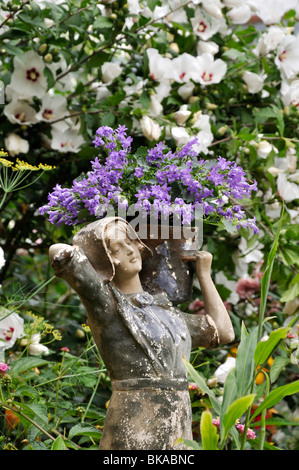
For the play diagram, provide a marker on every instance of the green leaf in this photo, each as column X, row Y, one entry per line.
column 80, row 430
column 208, row 431
column 244, row 369
column 278, row 364
column 265, row 281
column 229, row 391
column 13, row 50
column 107, row 119
column 50, row 77
column 276, row 396
column 203, row 386
column 188, row 443
column 102, row 22
column 24, row 390
column 58, row 444
column 36, row 409
column 291, row 293
column 235, row 411
column 264, row 349
column 27, row 363
column 225, row 224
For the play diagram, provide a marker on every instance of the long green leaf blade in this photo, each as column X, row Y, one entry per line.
column 276, row 396
column 208, row 431
column 235, row 411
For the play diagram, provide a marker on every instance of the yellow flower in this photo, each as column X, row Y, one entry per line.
column 86, row 328
column 24, row 166
column 5, row 162
column 45, row 167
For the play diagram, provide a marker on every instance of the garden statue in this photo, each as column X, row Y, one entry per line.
column 142, row 338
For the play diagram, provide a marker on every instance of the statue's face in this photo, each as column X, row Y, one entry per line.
column 124, row 251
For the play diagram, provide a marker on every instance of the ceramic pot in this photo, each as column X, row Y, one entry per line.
column 171, row 266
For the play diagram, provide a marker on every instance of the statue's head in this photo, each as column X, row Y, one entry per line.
column 112, row 246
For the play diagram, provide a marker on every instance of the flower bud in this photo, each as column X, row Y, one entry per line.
column 48, row 58
column 42, row 49
column 174, row 48
column 6, row 379
column 193, row 99
column 212, row 382
column 182, row 114
column 80, row 333
column 211, row 106
column 222, row 130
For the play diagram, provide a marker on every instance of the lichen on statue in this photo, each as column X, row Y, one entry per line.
column 142, row 338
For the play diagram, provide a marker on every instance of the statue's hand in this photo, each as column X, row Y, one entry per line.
column 203, row 263
column 60, row 253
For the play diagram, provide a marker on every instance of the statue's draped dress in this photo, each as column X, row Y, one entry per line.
column 143, row 341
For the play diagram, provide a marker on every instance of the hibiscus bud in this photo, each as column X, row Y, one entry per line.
column 264, row 148
column 182, row 114
column 193, row 99
column 212, row 382
column 222, row 130
column 174, row 48
column 48, row 58
column 211, row 106
column 42, row 49
column 150, row 128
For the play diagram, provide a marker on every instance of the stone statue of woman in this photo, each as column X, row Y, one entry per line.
column 142, row 338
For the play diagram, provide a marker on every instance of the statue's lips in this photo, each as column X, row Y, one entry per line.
column 133, row 260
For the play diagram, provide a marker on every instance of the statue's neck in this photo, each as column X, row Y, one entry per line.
column 128, row 285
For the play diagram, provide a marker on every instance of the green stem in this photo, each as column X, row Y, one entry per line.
column 265, row 284
column 60, row 376
column 16, row 409
column 92, row 397
column 263, row 416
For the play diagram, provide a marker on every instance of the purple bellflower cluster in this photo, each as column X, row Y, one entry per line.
column 155, row 180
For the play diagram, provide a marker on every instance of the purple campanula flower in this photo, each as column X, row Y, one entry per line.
column 138, row 172
column 155, row 179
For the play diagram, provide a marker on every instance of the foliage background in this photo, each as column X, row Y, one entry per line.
column 90, row 67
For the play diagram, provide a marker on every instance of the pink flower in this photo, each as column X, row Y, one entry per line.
column 197, row 306
column 65, row 349
column 216, row 423
column 193, row 386
column 3, row 368
column 247, row 287
column 250, row 432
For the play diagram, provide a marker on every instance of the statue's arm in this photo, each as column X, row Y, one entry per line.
column 214, row 306
column 71, row 264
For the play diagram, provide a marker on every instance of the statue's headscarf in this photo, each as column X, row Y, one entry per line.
column 92, row 239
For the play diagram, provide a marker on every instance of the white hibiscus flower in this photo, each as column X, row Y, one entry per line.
column 52, row 108
column 28, row 75
column 68, row 140
column 254, row 81
column 205, row 27
column 11, row 328
column 20, row 112
column 208, row 70
column 287, row 58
